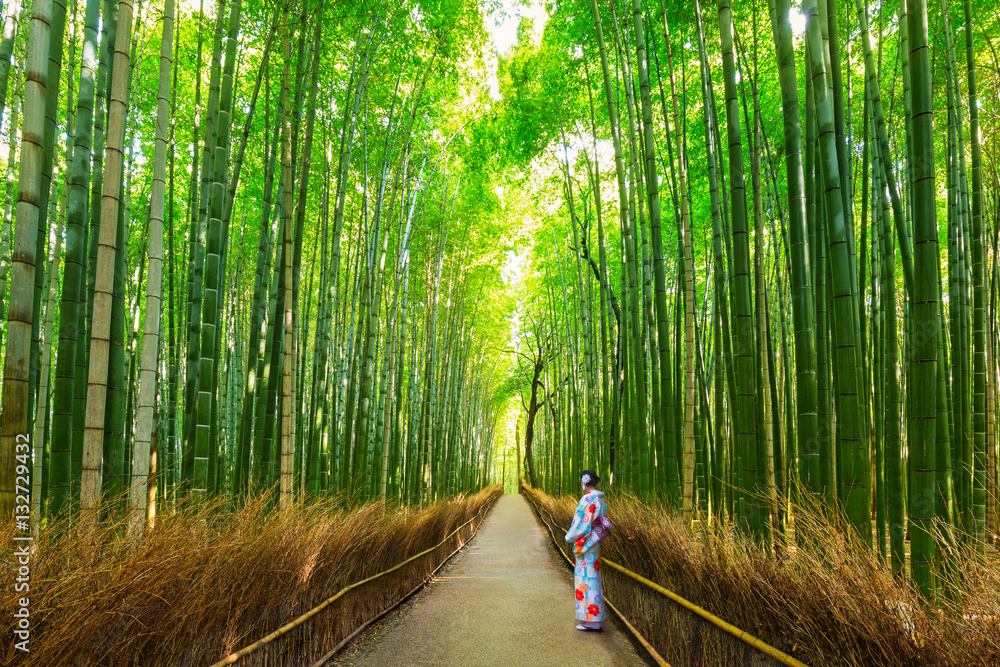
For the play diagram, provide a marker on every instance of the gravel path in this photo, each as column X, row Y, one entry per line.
column 506, row 601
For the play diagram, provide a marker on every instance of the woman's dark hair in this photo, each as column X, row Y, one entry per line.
column 590, row 478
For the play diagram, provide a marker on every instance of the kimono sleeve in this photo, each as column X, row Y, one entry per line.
column 581, row 521
column 591, row 540
column 594, row 536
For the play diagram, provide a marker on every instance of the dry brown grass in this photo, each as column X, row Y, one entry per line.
column 828, row 605
column 208, row 581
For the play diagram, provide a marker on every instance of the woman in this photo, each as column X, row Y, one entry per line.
column 587, row 537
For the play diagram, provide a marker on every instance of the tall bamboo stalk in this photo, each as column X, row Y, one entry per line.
column 926, row 294
column 287, row 370
column 111, row 201
column 140, row 481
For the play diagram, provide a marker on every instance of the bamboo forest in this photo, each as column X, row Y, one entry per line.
column 296, row 295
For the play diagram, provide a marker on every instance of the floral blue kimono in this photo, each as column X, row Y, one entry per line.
column 587, row 573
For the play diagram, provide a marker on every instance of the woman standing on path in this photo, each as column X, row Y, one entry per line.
column 586, row 533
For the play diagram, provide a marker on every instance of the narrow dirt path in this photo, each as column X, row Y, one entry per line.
column 508, row 601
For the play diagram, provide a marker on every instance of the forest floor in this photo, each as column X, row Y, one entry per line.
column 505, row 600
